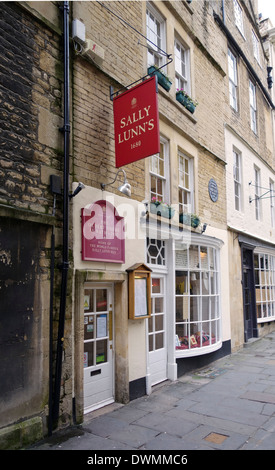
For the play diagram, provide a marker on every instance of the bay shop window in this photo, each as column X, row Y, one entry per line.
column 264, row 271
column 197, row 300
column 195, row 311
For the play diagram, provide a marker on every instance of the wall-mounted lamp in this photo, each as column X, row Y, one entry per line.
column 77, row 190
column 269, row 77
column 125, row 188
column 203, row 228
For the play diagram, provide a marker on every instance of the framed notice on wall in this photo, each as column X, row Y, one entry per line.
column 141, row 308
column 139, row 291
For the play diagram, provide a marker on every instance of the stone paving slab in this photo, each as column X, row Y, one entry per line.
column 259, row 397
column 229, row 405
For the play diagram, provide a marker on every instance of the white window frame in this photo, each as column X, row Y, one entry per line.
column 157, row 162
column 154, row 330
column 264, row 271
column 256, row 47
column 156, row 252
column 237, row 177
column 156, row 32
column 238, row 11
column 182, row 66
column 253, row 106
column 186, row 183
column 257, row 175
column 233, row 80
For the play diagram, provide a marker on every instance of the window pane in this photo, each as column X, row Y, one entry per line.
column 232, row 73
column 101, row 351
column 194, row 309
column 153, row 184
column 101, row 300
column 182, row 308
column 88, row 300
column 159, row 341
column 158, row 304
column 156, row 253
column 88, row 354
column 159, row 323
column 88, row 327
column 154, row 35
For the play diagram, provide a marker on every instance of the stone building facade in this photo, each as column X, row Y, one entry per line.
column 192, row 312
column 249, row 147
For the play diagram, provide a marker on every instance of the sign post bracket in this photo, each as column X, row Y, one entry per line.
column 112, row 93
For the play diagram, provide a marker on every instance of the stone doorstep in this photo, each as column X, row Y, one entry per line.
column 20, row 435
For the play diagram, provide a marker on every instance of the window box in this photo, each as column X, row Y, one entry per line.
column 163, row 80
column 164, row 210
column 189, row 219
column 186, row 101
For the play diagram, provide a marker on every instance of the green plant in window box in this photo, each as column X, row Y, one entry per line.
column 158, row 207
column 183, row 98
column 189, row 219
column 163, row 79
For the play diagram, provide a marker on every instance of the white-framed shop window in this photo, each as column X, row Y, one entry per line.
column 237, row 176
column 186, row 183
column 155, row 30
column 233, row 80
column 197, row 299
column 182, row 66
column 238, row 16
column 253, row 106
column 159, row 174
column 264, row 269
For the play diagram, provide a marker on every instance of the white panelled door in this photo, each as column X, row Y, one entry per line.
column 157, row 345
column 98, row 344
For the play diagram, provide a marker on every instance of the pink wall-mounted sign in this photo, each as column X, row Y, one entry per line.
column 103, row 233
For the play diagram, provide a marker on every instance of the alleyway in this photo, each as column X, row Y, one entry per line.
column 229, row 405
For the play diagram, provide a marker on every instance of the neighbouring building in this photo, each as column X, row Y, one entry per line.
column 249, row 147
column 107, row 293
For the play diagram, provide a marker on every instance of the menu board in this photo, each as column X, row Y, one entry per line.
column 141, row 297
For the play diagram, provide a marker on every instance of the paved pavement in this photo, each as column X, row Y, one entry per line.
column 229, row 405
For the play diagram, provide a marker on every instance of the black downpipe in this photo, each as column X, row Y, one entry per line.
column 65, row 260
column 50, row 424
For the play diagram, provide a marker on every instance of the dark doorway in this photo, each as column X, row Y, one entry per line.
column 249, row 304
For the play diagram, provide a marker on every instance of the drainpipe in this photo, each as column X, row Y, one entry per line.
column 65, row 254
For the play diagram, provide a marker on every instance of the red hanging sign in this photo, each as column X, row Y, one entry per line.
column 136, row 121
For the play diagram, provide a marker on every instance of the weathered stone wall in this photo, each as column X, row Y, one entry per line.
column 31, row 149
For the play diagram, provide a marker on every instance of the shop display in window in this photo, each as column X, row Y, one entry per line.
column 196, row 298
column 264, row 274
